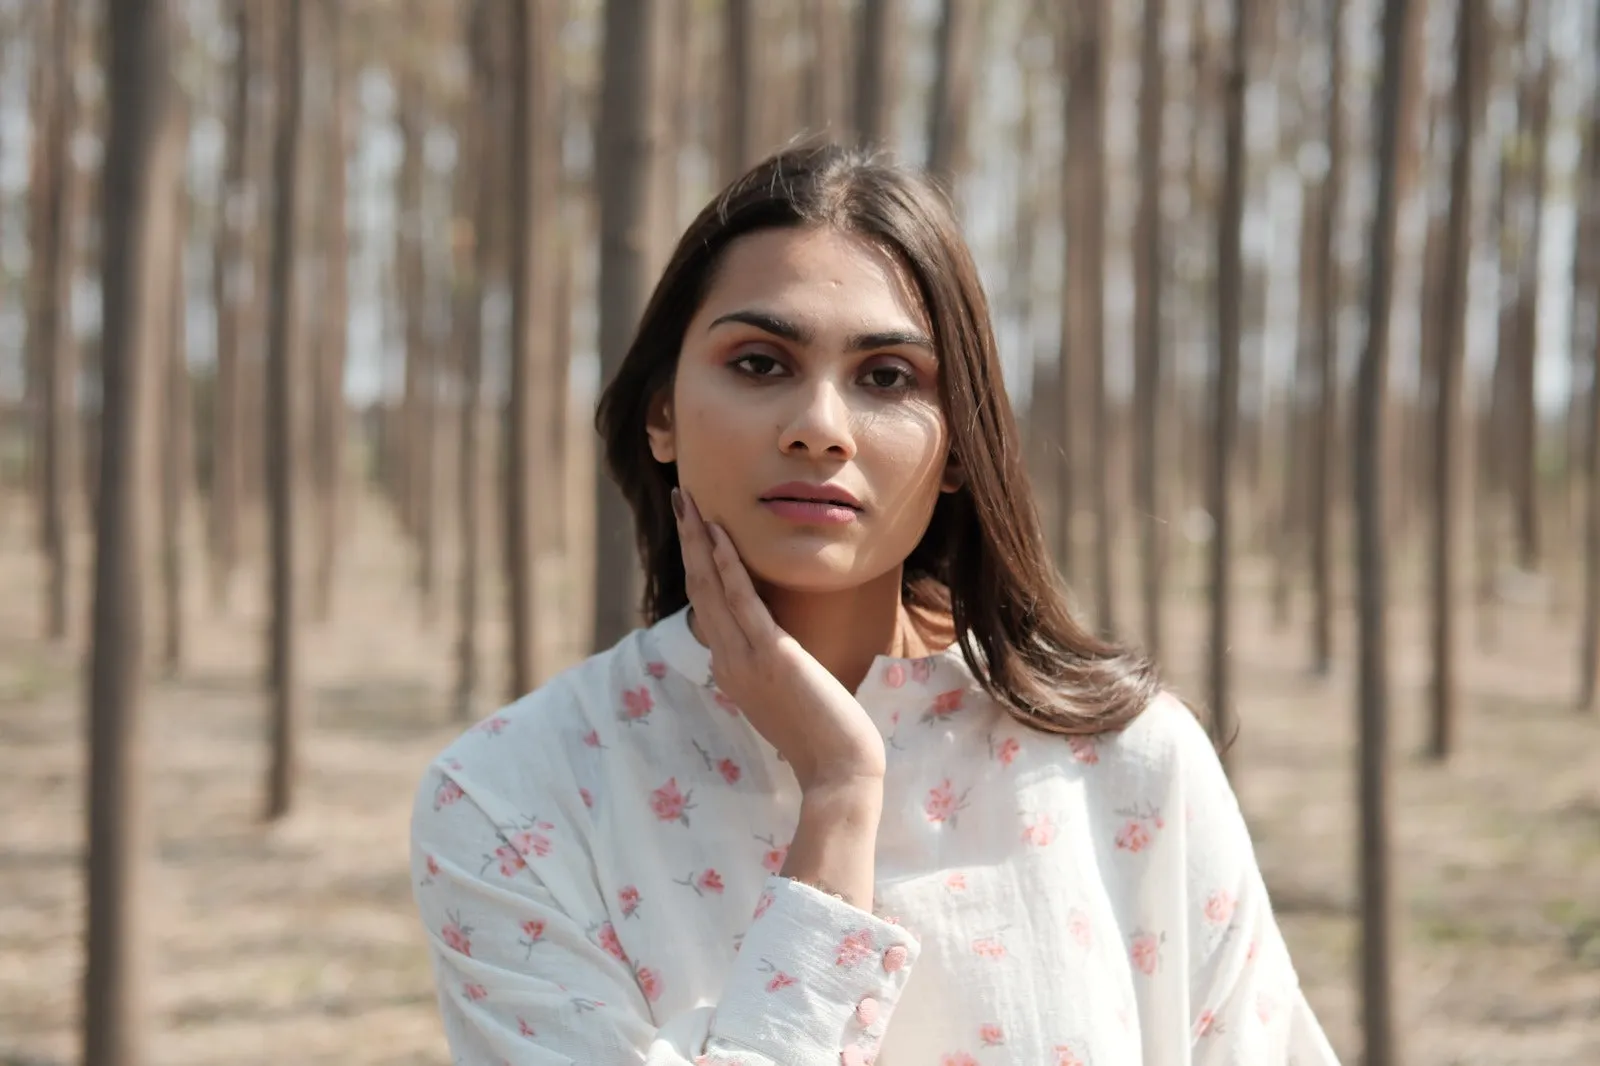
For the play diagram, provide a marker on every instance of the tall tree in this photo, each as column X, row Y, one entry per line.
column 177, row 444
column 1326, row 345
column 535, row 191
column 141, row 164
column 740, row 109
column 1377, row 889
column 950, row 112
column 878, row 50
column 629, row 125
column 1589, row 649
column 1225, row 397
column 825, row 76
column 329, row 435
column 232, row 288
column 50, row 332
column 1449, row 359
column 283, row 389
column 1148, row 265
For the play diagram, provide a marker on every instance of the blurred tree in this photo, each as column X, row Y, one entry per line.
column 1533, row 111
column 956, row 45
column 142, row 165
column 283, row 418
column 176, row 426
column 878, row 51
column 1148, row 265
column 741, row 92
column 826, row 75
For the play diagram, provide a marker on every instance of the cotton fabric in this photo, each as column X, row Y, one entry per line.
column 597, row 866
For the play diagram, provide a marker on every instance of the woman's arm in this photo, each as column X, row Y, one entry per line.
column 528, row 977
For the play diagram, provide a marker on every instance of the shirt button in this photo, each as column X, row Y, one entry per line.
column 894, row 959
column 867, row 1011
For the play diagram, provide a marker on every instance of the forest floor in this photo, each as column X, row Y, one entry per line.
column 297, row 942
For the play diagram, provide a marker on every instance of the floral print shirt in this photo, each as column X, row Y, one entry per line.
column 597, row 868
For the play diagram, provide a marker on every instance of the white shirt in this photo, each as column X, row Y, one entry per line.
column 596, row 869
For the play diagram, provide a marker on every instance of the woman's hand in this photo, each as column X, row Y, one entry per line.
column 802, row 710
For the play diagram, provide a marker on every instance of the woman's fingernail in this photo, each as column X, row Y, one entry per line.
column 677, row 504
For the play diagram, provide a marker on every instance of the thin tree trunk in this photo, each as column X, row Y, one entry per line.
column 950, row 111
column 1450, row 360
column 825, row 88
column 283, row 359
column 1377, row 890
column 877, row 72
column 1323, row 479
column 141, row 166
column 1589, row 649
column 330, row 465
column 1225, row 401
column 627, row 132
column 740, row 101
column 1524, row 482
column 177, row 459
column 51, row 335
column 1149, row 244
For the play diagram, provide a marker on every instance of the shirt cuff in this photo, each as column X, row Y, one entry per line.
column 814, row 983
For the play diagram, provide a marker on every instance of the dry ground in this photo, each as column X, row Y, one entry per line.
column 297, row 943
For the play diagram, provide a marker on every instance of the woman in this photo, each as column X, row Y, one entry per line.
column 864, row 790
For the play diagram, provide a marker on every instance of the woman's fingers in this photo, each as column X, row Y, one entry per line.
column 702, row 580
column 744, row 603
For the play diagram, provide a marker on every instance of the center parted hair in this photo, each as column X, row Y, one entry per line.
column 983, row 559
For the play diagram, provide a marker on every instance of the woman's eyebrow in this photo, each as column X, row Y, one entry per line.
column 778, row 326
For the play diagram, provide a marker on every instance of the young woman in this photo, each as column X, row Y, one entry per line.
column 864, row 791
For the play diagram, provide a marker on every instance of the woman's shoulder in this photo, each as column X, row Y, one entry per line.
column 1161, row 740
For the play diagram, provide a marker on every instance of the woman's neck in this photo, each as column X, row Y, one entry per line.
column 845, row 631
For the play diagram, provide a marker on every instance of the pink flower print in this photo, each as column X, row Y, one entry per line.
column 649, row 983
column 1133, row 837
column 606, row 937
column 1007, row 751
column 729, row 770
column 636, row 705
column 722, row 699
column 711, row 881
column 670, row 804
column 1065, row 1056
column 774, row 859
column 922, row 669
column 989, row 947
column 854, row 947
column 1266, row 1006
column 942, row 803
column 958, row 1058
column 532, row 842
column 447, row 793
column 629, row 898
column 1040, row 831
column 766, row 900
column 1084, row 750
column 1250, row 952
column 457, row 937
column 587, row 797
column 1203, row 1024
column 433, row 866
column 945, row 704
column 592, row 738
column 510, row 860
column 956, row 882
column 1080, row 929
column 1146, row 953
column 780, row 980
column 492, row 726
column 525, row 1029
column 532, row 933
column 895, row 675
column 991, row 1035
column 474, row 991
column 657, row 670
column 1219, row 907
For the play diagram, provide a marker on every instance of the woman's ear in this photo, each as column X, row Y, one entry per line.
column 659, row 428
column 955, row 475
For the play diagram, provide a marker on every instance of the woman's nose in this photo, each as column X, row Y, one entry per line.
column 820, row 424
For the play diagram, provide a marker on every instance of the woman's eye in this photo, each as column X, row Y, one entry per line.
column 757, row 365
column 890, row 377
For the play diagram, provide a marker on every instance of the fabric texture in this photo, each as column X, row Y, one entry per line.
column 597, row 867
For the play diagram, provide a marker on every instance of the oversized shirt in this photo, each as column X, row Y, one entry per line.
column 597, row 868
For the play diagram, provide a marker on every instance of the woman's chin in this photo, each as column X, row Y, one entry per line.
column 830, row 568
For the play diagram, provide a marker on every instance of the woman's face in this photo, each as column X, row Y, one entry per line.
column 804, row 416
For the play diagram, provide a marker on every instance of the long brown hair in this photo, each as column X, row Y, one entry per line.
column 983, row 559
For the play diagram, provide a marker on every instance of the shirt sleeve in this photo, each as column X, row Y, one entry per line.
column 1246, row 1000
column 528, row 976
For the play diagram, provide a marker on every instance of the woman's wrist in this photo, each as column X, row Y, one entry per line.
column 835, row 839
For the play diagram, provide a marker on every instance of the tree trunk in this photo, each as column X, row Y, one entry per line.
column 177, row 444
column 741, row 97
column 1450, row 359
column 877, row 72
column 950, row 111
column 1323, row 479
column 1377, row 936
column 1589, row 649
column 1524, row 482
column 1225, row 399
column 283, row 366
column 1149, row 244
column 825, row 77
column 142, row 163
column 628, row 131
column 51, row 333
column 335, row 304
